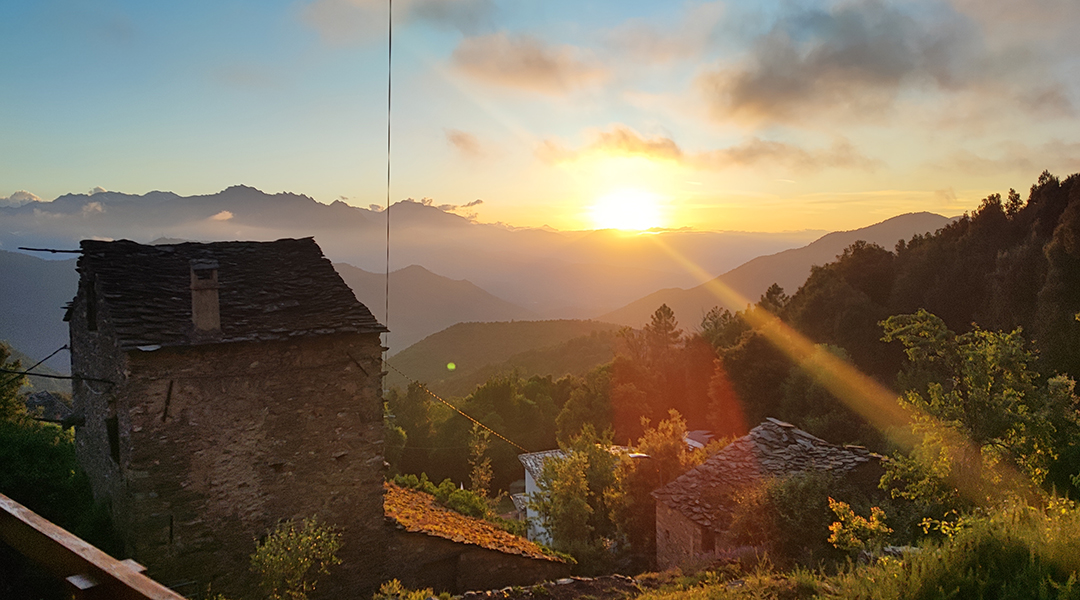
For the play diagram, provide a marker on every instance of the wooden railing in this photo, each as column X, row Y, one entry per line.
column 88, row 572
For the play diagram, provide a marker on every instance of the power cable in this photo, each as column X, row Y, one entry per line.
column 389, row 105
column 36, row 365
column 458, row 410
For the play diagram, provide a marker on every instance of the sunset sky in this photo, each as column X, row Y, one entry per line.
column 739, row 115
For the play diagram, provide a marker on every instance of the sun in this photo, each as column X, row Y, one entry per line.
column 629, row 209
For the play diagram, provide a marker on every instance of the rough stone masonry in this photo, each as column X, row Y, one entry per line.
column 226, row 387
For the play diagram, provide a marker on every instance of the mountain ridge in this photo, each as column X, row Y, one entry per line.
column 788, row 268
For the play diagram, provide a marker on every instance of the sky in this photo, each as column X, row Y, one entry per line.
column 754, row 115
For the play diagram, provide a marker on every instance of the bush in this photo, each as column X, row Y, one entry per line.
column 290, row 557
column 1018, row 552
column 448, row 494
column 788, row 518
column 393, row 590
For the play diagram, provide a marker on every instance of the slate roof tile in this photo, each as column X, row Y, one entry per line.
column 772, row 449
column 266, row 290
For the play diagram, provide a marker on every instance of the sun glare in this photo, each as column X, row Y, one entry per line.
column 627, row 209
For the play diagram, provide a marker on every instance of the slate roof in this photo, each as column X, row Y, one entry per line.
column 266, row 290
column 534, row 461
column 417, row 512
column 772, row 449
column 47, row 407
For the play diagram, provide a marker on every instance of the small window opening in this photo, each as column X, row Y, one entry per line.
column 112, row 428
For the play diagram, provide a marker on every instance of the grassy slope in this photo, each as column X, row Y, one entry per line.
column 481, row 349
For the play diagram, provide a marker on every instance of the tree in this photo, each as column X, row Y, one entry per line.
column 981, row 412
column 723, row 328
column 479, row 463
column 12, row 406
column 589, row 403
column 660, row 455
column 573, row 499
column 662, row 334
column 774, row 299
column 292, row 555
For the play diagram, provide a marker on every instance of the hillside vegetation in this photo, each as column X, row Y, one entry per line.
column 953, row 353
column 788, row 269
column 494, row 347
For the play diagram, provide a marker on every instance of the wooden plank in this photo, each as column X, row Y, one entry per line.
column 68, row 556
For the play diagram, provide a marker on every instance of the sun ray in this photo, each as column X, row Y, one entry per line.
column 871, row 400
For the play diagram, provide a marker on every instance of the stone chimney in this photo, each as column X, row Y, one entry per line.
column 205, row 312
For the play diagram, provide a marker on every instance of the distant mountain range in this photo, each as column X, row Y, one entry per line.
column 552, row 274
column 424, row 303
column 789, row 269
column 484, row 272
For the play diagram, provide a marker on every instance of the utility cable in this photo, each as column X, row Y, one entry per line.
column 458, row 410
column 389, row 105
column 71, row 377
column 36, row 365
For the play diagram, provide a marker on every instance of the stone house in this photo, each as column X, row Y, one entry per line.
column 225, row 387
column 435, row 547
column 694, row 511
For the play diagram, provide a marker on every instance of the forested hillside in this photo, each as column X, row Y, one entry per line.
column 474, row 346
column 972, row 332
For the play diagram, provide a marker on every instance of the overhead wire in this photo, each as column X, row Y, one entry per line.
column 36, row 365
column 389, row 106
column 459, row 411
column 386, row 296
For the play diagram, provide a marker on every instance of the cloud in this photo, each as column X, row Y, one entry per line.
column 1055, row 156
column 755, row 151
column 526, row 63
column 650, row 42
column 466, row 144
column 362, row 21
column 97, row 190
column 91, row 208
column 447, row 208
column 19, row 198
column 621, row 140
column 858, row 58
column 1052, row 21
column 222, row 216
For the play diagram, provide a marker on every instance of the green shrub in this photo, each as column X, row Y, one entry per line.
column 1018, row 552
column 787, row 518
column 290, row 557
column 448, row 494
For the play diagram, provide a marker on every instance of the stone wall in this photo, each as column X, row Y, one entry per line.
column 95, row 354
column 422, row 561
column 678, row 539
column 217, row 443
